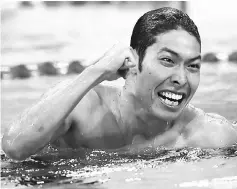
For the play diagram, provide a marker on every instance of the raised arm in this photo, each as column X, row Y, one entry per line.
column 39, row 124
column 43, row 122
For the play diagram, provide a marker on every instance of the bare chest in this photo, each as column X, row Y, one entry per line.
column 100, row 131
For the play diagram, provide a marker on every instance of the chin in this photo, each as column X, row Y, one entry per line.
column 165, row 111
column 168, row 105
column 165, row 115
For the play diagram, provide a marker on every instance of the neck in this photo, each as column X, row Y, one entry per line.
column 136, row 117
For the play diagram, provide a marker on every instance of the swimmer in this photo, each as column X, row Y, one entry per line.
column 161, row 68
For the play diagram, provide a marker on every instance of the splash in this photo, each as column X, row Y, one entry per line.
column 54, row 167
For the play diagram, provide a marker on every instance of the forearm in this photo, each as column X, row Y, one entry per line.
column 36, row 127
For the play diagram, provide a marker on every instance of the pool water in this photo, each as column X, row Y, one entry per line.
column 35, row 35
column 162, row 168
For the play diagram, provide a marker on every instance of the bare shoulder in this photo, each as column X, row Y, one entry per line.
column 89, row 120
column 94, row 107
column 210, row 130
column 101, row 96
column 107, row 92
column 94, row 122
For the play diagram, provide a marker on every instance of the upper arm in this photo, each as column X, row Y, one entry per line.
column 87, row 104
column 64, row 124
column 70, row 131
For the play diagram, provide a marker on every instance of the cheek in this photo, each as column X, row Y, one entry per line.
column 150, row 81
column 160, row 72
column 146, row 83
column 194, row 81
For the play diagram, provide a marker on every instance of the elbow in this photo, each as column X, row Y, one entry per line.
column 12, row 151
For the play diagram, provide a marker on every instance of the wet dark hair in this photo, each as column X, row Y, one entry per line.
column 156, row 22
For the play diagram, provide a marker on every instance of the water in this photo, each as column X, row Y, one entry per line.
column 83, row 168
column 48, row 35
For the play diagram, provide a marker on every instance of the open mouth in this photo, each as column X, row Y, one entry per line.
column 171, row 99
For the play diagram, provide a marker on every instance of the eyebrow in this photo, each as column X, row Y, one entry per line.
column 170, row 51
column 178, row 55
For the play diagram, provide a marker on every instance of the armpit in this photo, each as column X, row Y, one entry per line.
column 59, row 143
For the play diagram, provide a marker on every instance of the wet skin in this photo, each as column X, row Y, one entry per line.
column 152, row 109
column 135, row 116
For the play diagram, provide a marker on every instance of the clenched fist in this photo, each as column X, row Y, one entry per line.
column 115, row 62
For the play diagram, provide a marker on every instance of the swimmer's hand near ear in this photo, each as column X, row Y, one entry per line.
column 115, row 62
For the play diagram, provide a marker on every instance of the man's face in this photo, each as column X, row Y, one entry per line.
column 170, row 74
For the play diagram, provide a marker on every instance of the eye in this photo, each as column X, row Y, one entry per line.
column 195, row 66
column 167, row 60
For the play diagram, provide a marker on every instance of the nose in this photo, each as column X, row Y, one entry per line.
column 179, row 77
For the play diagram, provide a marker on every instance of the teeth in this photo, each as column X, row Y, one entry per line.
column 172, row 95
column 167, row 101
column 170, row 103
column 176, row 103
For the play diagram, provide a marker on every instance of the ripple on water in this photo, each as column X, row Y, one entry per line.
column 83, row 167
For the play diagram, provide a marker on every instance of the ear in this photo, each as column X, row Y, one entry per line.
column 135, row 54
column 134, row 70
column 131, row 71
